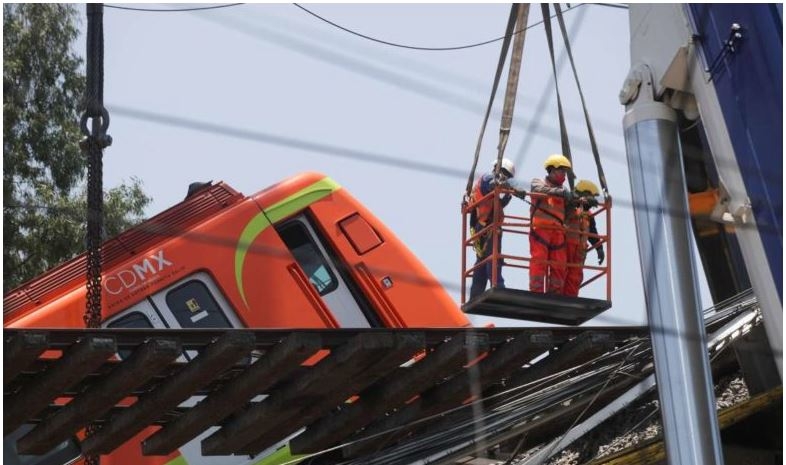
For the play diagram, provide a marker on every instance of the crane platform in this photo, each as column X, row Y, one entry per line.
column 532, row 306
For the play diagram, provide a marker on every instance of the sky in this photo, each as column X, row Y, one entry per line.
column 255, row 93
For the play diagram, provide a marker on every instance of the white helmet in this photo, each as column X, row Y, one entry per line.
column 507, row 165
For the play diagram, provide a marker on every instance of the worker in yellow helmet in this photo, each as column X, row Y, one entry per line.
column 482, row 215
column 547, row 231
column 579, row 222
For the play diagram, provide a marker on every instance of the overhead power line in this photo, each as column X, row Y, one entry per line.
column 350, row 153
column 621, row 6
column 415, row 47
column 267, row 138
column 173, row 10
column 401, row 76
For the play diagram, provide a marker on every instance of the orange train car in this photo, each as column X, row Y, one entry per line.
column 302, row 253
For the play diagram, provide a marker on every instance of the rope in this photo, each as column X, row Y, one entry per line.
column 503, row 53
column 562, row 128
column 593, row 143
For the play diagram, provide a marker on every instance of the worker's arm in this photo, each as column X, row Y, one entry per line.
column 593, row 228
column 487, row 183
column 540, row 186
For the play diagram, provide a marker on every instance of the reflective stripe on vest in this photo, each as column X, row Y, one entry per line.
column 483, row 209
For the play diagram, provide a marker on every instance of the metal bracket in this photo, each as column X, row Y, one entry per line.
column 729, row 47
column 731, row 211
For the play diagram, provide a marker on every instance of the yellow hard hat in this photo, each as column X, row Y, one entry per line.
column 587, row 186
column 557, row 161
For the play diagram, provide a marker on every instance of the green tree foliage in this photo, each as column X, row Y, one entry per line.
column 44, row 171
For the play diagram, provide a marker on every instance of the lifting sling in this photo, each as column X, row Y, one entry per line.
column 512, row 303
column 563, row 131
column 509, row 32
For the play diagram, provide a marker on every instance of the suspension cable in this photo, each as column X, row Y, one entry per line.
column 512, row 85
column 562, row 128
column 503, row 53
column 92, row 145
column 593, row 143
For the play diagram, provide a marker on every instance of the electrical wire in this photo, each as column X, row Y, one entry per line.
column 387, row 160
column 588, row 406
column 172, row 10
column 415, row 47
column 613, row 5
column 206, row 8
column 350, row 153
column 326, row 53
column 525, row 396
column 501, row 422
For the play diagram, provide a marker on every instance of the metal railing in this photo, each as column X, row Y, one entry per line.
column 520, row 225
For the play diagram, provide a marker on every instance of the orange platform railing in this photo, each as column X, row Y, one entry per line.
column 518, row 226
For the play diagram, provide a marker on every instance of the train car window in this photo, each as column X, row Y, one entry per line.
column 308, row 256
column 194, row 306
column 65, row 452
column 132, row 320
column 361, row 235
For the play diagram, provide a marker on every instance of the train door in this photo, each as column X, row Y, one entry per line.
column 318, row 263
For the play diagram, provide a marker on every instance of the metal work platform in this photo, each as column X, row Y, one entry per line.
column 334, row 383
column 532, row 306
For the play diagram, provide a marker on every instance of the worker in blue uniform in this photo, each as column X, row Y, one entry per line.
column 480, row 217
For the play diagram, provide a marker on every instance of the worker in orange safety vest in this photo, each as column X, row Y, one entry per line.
column 579, row 223
column 548, row 248
column 480, row 217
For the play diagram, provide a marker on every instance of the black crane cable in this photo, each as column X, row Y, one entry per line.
column 94, row 141
column 593, row 142
column 562, row 128
column 93, row 144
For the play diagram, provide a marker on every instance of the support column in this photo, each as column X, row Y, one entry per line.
column 682, row 367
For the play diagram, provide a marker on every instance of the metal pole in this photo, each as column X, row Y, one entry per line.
column 664, row 233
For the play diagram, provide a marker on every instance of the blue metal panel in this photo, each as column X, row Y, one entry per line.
column 749, row 84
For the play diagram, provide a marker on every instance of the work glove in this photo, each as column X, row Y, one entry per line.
column 592, row 202
column 601, row 255
column 522, row 194
column 500, row 180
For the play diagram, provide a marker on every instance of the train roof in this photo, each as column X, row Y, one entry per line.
column 198, row 206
